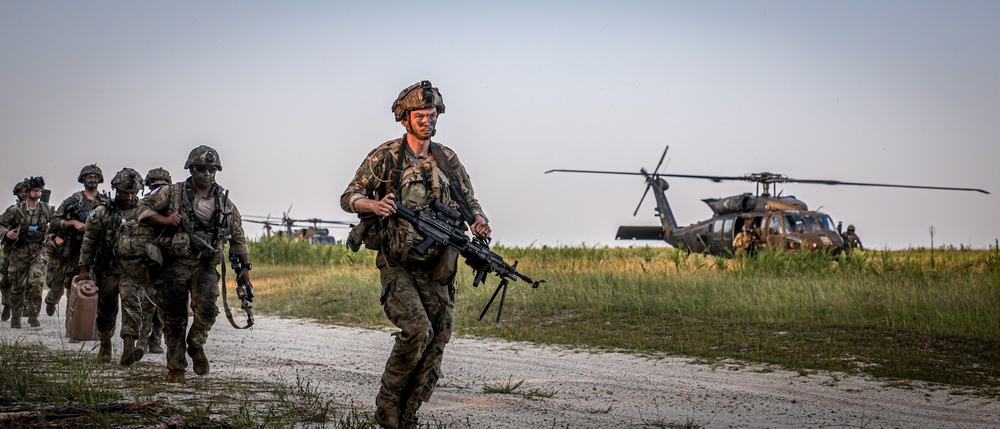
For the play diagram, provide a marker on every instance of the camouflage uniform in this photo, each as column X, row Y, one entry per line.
column 133, row 247
column 64, row 259
column 98, row 251
column 851, row 239
column 5, row 265
column 27, row 262
column 417, row 290
column 189, row 267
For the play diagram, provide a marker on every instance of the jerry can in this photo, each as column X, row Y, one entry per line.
column 81, row 316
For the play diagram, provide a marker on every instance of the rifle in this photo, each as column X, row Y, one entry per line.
column 442, row 226
column 244, row 291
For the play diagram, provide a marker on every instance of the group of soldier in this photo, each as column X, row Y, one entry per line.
column 155, row 257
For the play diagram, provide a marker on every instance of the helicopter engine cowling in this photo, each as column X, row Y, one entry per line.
column 733, row 204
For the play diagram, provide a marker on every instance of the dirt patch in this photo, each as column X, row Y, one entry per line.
column 564, row 388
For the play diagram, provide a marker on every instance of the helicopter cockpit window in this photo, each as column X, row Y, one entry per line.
column 795, row 223
column 774, row 227
column 827, row 222
column 812, row 223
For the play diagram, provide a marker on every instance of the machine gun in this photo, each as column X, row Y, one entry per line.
column 442, row 226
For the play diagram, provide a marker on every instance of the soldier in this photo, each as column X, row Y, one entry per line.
column 66, row 234
column 98, row 251
column 417, row 290
column 744, row 241
column 20, row 192
column 202, row 218
column 152, row 326
column 851, row 240
column 25, row 224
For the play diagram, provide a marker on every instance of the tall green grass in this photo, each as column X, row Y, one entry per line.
column 886, row 313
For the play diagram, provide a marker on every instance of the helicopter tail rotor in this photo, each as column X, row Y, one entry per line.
column 650, row 178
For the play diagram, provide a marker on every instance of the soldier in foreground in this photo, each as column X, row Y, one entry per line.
column 417, row 290
column 66, row 234
column 25, row 225
column 20, row 192
column 98, row 251
column 851, row 239
column 202, row 219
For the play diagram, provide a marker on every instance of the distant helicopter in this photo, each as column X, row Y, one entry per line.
column 288, row 227
column 783, row 222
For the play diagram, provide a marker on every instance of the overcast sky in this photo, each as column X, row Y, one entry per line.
column 294, row 94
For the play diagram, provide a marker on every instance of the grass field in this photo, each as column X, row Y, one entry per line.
column 898, row 315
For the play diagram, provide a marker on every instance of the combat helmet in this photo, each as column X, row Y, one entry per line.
column 35, row 182
column 19, row 187
column 850, row 228
column 420, row 95
column 203, row 155
column 157, row 173
column 91, row 169
column 127, row 180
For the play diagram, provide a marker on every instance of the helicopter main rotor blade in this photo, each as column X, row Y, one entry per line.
column 649, row 184
column 883, row 185
column 662, row 157
column 630, row 173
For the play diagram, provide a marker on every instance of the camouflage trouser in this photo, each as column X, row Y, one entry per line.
column 141, row 273
column 59, row 276
column 115, row 286
column 152, row 326
column 5, row 282
column 419, row 300
column 26, row 271
column 173, row 283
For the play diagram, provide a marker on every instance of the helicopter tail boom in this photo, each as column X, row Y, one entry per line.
column 640, row 233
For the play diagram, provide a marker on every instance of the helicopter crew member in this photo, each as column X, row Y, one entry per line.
column 851, row 239
column 98, row 252
column 66, row 234
column 417, row 290
column 25, row 225
column 203, row 219
column 746, row 241
column 21, row 192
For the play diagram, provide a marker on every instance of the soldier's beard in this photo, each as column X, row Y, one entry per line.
column 90, row 184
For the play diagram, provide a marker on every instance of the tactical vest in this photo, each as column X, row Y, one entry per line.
column 31, row 226
column 215, row 232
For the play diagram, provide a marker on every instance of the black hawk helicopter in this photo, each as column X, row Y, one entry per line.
column 307, row 229
column 783, row 222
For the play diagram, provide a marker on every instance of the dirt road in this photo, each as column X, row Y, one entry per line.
column 588, row 390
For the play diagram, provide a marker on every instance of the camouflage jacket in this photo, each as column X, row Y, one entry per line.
column 76, row 207
column 30, row 224
column 101, row 234
column 223, row 225
column 744, row 241
column 852, row 240
column 421, row 181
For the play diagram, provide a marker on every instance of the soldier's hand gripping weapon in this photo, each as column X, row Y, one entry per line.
column 442, row 226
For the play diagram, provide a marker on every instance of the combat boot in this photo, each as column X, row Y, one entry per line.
column 130, row 353
column 50, row 309
column 6, row 313
column 175, row 376
column 155, row 348
column 15, row 323
column 104, row 354
column 199, row 362
column 141, row 344
column 33, row 321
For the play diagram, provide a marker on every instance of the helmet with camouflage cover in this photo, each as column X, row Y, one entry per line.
column 91, row 169
column 203, row 155
column 850, row 228
column 157, row 173
column 19, row 187
column 420, row 95
column 127, row 180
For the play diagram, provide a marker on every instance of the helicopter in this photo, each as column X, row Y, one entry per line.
column 307, row 229
column 782, row 222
